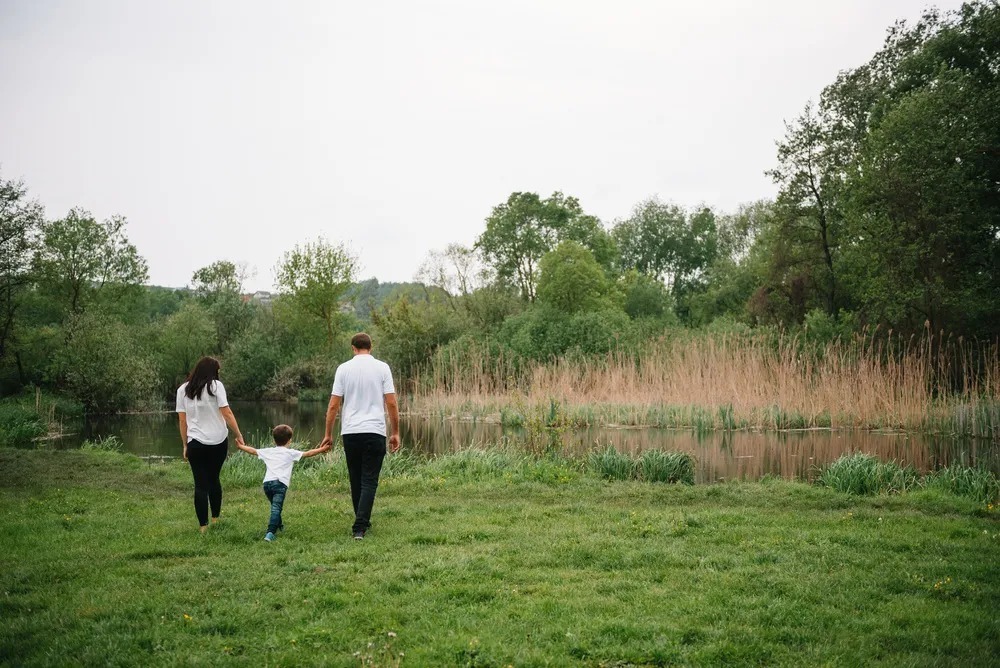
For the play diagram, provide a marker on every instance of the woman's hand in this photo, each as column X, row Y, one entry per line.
column 185, row 452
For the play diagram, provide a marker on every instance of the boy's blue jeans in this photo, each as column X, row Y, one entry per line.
column 275, row 491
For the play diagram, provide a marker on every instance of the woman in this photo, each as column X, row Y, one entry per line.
column 204, row 413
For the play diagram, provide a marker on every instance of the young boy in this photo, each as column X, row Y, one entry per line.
column 279, row 461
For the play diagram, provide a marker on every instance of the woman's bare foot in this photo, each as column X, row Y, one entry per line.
column 203, row 529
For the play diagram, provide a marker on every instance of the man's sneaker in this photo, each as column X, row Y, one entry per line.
column 359, row 535
column 269, row 536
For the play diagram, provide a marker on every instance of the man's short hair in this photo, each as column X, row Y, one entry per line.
column 282, row 434
column 361, row 341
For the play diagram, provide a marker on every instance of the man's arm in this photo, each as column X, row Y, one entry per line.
column 245, row 448
column 393, row 407
column 184, row 433
column 331, row 419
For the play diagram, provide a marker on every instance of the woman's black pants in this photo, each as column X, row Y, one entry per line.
column 206, row 464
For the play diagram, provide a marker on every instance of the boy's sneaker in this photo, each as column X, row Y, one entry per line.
column 359, row 535
column 269, row 536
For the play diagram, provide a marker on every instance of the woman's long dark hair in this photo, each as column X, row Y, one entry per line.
column 205, row 371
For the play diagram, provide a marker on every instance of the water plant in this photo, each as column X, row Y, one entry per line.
column 864, row 474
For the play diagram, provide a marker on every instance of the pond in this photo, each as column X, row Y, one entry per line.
column 720, row 456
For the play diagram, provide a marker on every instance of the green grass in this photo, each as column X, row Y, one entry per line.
column 865, row 474
column 478, row 560
column 32, row 415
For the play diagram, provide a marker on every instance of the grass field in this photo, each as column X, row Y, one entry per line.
column 478, row 566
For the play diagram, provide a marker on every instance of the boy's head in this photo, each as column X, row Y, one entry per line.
column 282, row 434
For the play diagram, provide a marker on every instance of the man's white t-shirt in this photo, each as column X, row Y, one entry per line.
column 204, row 421
column 362, row 382
column 279, row 463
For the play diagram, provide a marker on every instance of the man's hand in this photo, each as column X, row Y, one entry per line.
column 394, row 443
column 327, row 442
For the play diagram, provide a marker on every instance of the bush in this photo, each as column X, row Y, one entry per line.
column 865, row 474
column 976, row 483
column 672, row 467
column 19, row 424
column 104, row 367
column 107, row 444
column 610, row 464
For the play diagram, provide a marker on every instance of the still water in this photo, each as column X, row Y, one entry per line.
column 719, row 455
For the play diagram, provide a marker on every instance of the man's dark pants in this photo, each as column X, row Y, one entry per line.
column 364, row 454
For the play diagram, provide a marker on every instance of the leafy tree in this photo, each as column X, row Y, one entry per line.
column 219, row 287
column 103, row 365
column 524, row 228
column 571, row 280
column 317, row 276
column 810, row 177
column 82, row 259
column 20, row 222
column 645, row 296
column 184, row 337
column 662, row 240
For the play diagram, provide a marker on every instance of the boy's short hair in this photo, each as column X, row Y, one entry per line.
column 361, row 341
column 282, row 434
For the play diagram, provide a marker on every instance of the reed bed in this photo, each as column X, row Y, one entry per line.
column 936, row 385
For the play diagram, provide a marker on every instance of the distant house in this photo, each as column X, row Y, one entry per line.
column 260, row 297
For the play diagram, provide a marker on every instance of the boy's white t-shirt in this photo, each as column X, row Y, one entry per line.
column 363, row 382
column 279, row 463
column 204, row 421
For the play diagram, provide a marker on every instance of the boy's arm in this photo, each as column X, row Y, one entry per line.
column 246, row 448
column 315, row 451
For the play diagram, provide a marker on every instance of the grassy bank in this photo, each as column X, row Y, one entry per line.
column 471, row 564
column 710, row 382
column 35, row 415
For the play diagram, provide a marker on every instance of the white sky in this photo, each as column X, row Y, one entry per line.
column 234, row 130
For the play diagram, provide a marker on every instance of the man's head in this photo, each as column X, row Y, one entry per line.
column 282, row 434
column 361, row 342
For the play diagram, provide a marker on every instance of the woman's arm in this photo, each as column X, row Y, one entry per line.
column 227, row 415
column 184, row 433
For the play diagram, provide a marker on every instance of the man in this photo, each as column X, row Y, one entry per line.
column 363, row 388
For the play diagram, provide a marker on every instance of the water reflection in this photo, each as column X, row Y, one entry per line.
column 720, row 455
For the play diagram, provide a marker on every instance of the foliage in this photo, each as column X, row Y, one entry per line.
column 570, row 279
column 182, row 340
column 20, row 222
column 81, row 259
column 316, row 276
column 865, row 474
column 525, row 227
column 103, row 366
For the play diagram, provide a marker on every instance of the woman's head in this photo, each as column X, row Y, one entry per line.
column 205, row 371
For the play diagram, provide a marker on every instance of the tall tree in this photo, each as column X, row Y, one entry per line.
column 20, row 222
column 218, row 287
column 525, row 227
column 82, row 259
column 317, row 276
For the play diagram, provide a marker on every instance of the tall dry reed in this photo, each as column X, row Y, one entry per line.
column 871, row 381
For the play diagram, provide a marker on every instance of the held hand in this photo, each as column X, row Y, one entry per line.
column 327, row 442
column 394, row 443
column 240, row 442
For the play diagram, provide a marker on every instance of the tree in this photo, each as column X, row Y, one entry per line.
column 524, row 228
column 316, row 276
column 82, row 259
column 663, row 241
column 219, row 278
column 810, row 177
column 183, row 339
column 218, row 287
column 20, row 222
column 571, row 280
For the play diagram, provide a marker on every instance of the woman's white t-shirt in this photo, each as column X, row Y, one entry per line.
column 204, row 421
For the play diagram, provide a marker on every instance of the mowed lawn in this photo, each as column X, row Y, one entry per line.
column 103, row 565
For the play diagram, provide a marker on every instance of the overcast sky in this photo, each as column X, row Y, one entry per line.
column 234, row 130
